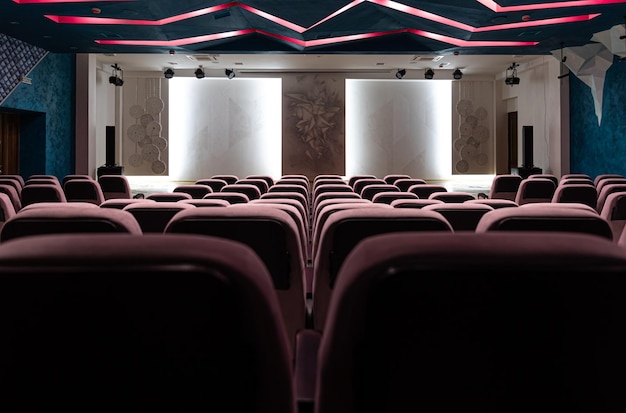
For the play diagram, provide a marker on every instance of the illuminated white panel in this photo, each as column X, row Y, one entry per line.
column 224, row 126
column 397, row 126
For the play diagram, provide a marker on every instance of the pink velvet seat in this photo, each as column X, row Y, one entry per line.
column 93, row 322
column 510, row 322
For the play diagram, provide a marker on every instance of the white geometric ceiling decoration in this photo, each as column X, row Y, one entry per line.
column 589, row 63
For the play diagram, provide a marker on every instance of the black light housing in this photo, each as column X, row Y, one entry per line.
column 429, row 73
column 400, row 73
column 199, row 72
column 457, row 74
column 229, row 73
column 169, row 73
column 114, row 79
column 511, row 75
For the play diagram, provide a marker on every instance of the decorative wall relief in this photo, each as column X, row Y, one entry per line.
column 144, row 140
column 472, row 128
column 313, row 125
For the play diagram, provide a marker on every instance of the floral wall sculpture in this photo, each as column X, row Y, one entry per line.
column 472, row 128
column 313, row 125
column 144, row 126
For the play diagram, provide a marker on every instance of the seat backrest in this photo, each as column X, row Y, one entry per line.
column 333, row 196
column 535, row 190
column 154, row 216
column 272, row 233
column 294, row 181
column 4, row 180
column 51, row 192
column 509, row 322
column 231, row 197
column 168, row 196
column 63, row 219
column 551, row 177
column 386, row 197
column 414, row 203
column 205, row 202
column 392, row 178
column 575, row 176
column 83, row 190
column 461, row 216
column 423, row 191
column 324, row 188
column 610, row 181
column 17, row 177
column 353, row 178
column 601, row 177
column 298, row 196
column 369, row 191
column 261, row 184
column 6, row 208
column 546, row 217
column 120, row 203
column 115, row 186
column 74, row 176
column 334, row 200
column 268, row 179
column 13, row 194
column 505, row 186
column 215, row 184
column 251, row 191
column 361, row 183
column 614, row 211
column 456, row 197
column 197, row 191
column 159, row 322
column 405, row 183
column 583, row 193
column 230, row 179
column 606, row 191
column 344, row 229
column 494, row 203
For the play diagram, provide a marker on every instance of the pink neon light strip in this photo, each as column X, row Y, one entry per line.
column 299, row 29
column 66, row 1
column 491, row 4
column 318, row 42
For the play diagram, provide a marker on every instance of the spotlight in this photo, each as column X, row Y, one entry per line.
column 511, row 75
column 429, row 74
column 199, row 72
column 400, row 73
column 114, row 79
column 457, row 74
column 169, row 73
column 229, row 73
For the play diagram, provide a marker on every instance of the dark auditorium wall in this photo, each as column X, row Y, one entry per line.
column 597, row 149
column 46, row 108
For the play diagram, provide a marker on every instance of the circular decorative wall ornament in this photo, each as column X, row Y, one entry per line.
column 136, row 132
column 158, row 167
column 464, row 107
column 146, row 118
column 150, row 153
column 136, row 111
column 160, row 142
column 481, row 113
column 472, row 120
column 154, row 105
column 482, row 159
column 459, row 143
column 153, row 129
column 135, row 160
column 465, row 129
column 462, row 166
column 481, row 133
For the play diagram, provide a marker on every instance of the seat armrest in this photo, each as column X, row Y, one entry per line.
column 305, row 369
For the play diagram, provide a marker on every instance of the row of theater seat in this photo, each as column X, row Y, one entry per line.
column 306, row 259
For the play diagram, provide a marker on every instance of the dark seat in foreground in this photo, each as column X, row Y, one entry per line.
column 510, row 322
column 154, row 322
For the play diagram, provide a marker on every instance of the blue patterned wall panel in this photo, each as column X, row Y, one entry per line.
column 52, row 93
column 597, row 149
column 16, row 60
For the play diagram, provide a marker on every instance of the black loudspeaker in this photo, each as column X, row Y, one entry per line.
column 110, row 146
column 527, row 146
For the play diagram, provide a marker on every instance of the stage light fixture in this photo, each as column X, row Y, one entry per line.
column 429, row 73
column 457, row 74
column 117, row 77
column 400, row 73
column 229, row 73
column 169, row 73
column 511, row 75
column 199, row 72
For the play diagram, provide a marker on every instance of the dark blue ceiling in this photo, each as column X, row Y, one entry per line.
column 304, row 26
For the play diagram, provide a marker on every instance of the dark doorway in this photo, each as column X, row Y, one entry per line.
column 9, row 143
column 512, row 140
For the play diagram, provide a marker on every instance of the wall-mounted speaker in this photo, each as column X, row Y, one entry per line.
column 110, row 146
column 527, row 146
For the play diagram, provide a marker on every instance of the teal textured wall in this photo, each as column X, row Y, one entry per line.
column 50, row 95
column 597, row 149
